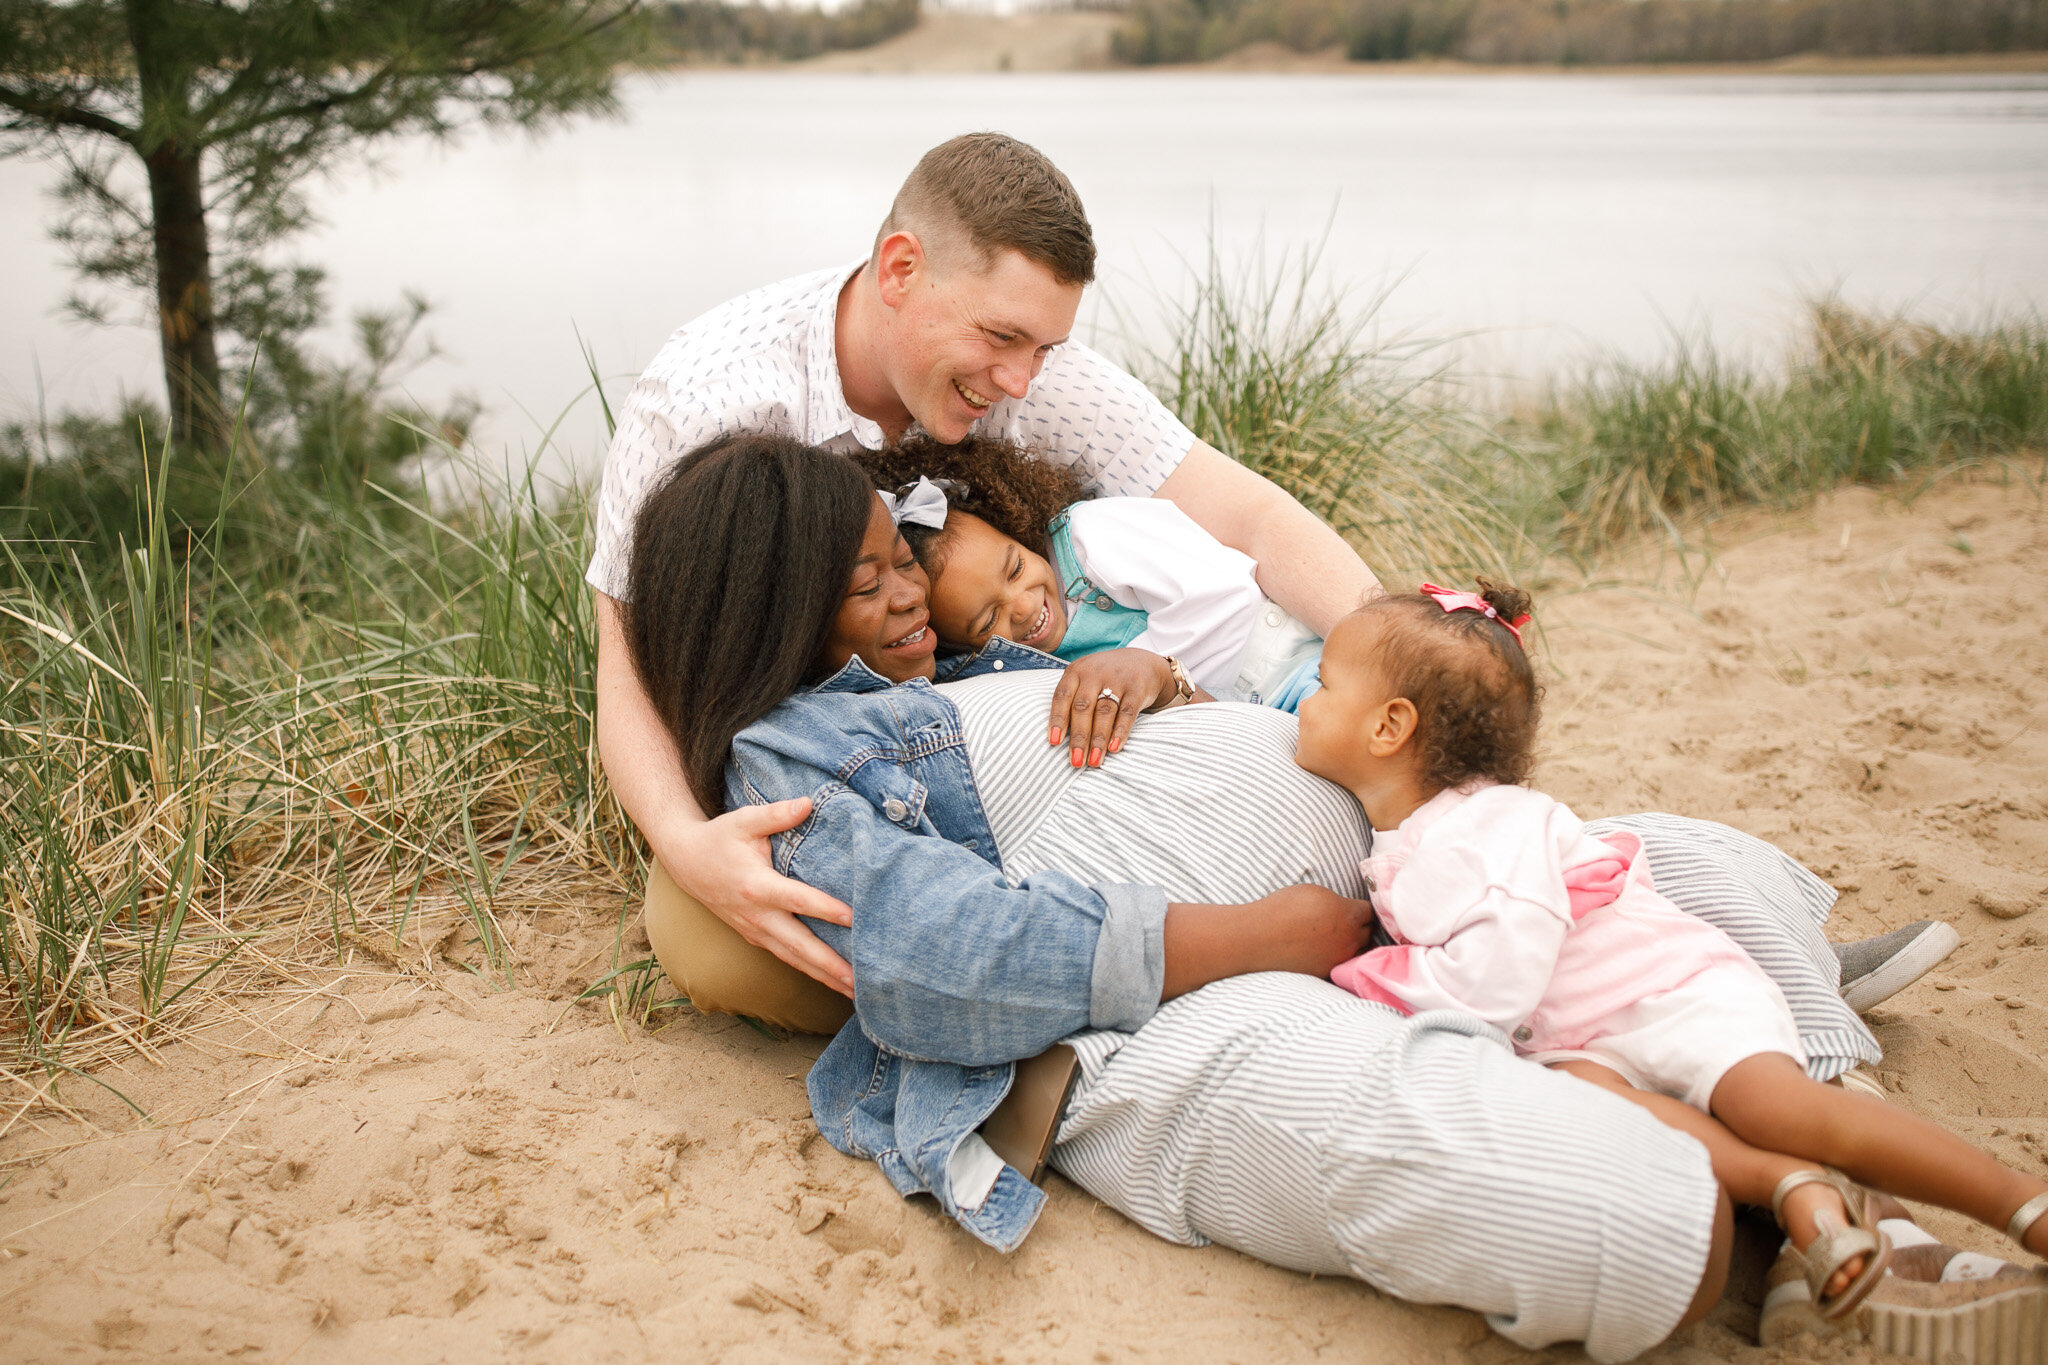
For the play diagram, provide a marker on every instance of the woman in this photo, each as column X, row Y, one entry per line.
column 1006, row 902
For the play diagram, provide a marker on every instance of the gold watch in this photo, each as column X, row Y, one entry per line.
column 1183, row 690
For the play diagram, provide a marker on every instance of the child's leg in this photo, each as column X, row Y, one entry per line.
column 1770, row 1101
column 1749, row 1174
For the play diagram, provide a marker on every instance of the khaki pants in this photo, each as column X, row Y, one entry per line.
column 722, row 973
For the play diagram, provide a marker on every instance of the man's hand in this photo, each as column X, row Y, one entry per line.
column 1093, row 724
column 726, row 864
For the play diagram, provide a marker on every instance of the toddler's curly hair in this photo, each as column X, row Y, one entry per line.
column 1475, row 691
column 998, row 480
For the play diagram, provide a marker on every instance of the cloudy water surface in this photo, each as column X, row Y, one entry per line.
column 1551, row 217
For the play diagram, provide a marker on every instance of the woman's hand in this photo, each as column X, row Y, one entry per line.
column 726, row 864
column 1094, row 724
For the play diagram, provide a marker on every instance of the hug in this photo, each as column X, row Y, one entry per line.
column 1006, row 849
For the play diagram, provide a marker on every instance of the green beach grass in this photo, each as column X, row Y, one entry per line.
column 255, row 722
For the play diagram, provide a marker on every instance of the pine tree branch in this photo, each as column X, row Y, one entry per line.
column 61, row 113
column 308, row 109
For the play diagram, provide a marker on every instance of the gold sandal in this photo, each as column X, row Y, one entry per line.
column 1835, row 1247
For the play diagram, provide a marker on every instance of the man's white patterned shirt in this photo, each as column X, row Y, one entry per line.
column 768, row 361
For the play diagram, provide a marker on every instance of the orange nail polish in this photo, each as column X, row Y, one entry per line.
column 1077, row 758
column 1095, row 758
column 1115, row 745
column 1055, row 737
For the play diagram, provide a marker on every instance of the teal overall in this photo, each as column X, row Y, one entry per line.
column 1095, row 620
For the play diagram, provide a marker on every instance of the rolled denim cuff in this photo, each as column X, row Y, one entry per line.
column 1130, row 957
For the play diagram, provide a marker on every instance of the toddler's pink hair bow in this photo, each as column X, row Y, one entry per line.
column 1452, row 600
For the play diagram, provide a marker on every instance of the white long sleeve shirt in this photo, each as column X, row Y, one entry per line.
column 1200, row 596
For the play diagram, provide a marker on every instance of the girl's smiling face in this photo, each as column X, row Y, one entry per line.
column 885, row 621
column 989, row 585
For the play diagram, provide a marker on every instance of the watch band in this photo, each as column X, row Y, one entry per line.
column 1183, row 689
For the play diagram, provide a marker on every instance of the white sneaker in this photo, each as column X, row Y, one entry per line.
column 1876, row 969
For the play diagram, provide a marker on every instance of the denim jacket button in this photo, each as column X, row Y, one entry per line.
column 895, row 810
column 997, row 665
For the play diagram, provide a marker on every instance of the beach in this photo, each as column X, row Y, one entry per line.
column 403, row 1154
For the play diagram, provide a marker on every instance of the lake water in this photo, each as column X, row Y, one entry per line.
column 1549, row 217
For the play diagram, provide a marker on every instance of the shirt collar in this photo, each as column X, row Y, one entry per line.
column 994, row 657
column 830, row 415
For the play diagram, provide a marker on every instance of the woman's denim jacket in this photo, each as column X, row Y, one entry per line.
column 957, row 974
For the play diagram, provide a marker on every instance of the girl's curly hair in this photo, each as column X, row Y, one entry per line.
column 997, row 480
column 1474, row 689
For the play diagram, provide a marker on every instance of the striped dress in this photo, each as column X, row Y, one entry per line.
column 1289, row 1119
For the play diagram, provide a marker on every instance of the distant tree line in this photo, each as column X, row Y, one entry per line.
column 712, row 30
column 1570, row 32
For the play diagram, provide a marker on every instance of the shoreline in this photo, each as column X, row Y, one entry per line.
column 1045, row 43
column 1274, row 59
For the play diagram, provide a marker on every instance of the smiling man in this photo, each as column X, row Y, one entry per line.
column 959, row 319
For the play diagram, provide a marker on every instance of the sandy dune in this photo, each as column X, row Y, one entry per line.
column 412, row 1164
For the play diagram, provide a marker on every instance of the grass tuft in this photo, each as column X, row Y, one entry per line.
column 219, row 764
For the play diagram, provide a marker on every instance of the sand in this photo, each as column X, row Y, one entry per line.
column 421, row 1164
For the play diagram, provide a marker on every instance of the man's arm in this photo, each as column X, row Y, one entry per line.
column 723, row 862
column 1303, row 565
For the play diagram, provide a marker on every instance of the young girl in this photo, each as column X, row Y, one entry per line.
column 1021, row 551
column 1501, row 905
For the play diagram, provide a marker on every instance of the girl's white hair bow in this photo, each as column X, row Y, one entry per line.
column 922, row 504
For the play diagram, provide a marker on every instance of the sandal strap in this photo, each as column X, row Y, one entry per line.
column 1791, row 1183
column 1833, row 1249
column 2025, row 1216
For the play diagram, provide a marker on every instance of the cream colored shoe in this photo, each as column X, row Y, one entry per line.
column 1835, row 1245
column 1999, row 1319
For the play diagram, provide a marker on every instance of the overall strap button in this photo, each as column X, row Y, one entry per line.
column 895, row 810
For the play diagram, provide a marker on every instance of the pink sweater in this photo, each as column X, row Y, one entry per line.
column 1505, row 908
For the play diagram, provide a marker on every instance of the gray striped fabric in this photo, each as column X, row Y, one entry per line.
column 1291, row 1120
column 1286, row 1118
column 1206, row 801
column 1774, row 908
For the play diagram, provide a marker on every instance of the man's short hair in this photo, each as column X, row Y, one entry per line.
column 1000, row 194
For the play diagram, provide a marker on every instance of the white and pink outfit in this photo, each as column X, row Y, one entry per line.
column 1504, row 907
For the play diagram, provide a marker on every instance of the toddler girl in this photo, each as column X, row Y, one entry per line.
column 1021, row 551
column 1501, row 905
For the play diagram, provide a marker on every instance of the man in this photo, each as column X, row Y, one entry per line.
column 959, row 319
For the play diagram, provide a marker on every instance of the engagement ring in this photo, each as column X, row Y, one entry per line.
column 1109, row 692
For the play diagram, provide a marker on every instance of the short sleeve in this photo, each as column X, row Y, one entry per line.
column 747, row 365
column 1084, row 411
column 663, row 420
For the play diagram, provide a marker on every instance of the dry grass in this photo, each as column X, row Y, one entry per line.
column 208, row 794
